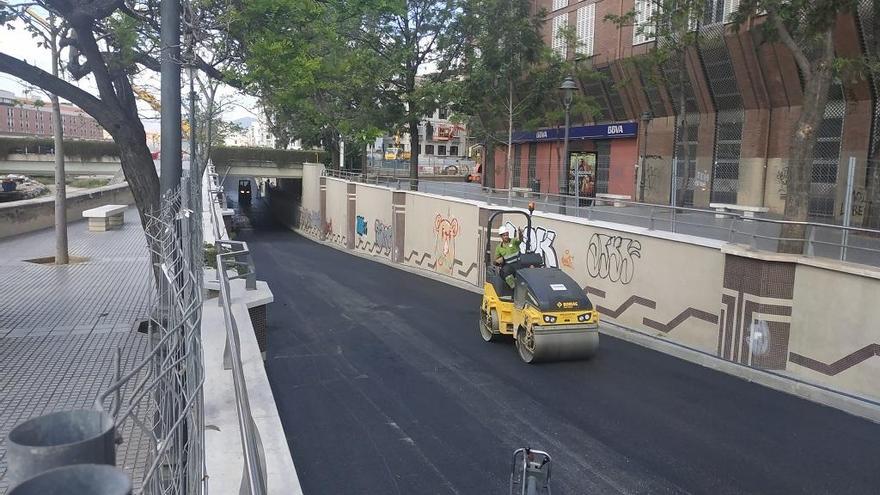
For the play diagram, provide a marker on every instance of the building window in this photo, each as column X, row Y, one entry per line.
column 643, row 29
column 429, row 149
column 441, row 149
column 559, row 4
column 586, row 17
column 442, row 113
column 453, row 150
column 559, row 44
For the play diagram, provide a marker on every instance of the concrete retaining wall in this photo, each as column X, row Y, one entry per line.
column 18, row 217
column 808, row 319
column 373, row 223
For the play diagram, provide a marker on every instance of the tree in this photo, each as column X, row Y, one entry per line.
column 111, row 41
column 675, row 24
column 407, row 37
column 315, row 82
column 48, row 32
column 806, row 28
column 509, row 76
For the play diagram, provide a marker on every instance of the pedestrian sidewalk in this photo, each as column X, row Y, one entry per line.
column 60, row 325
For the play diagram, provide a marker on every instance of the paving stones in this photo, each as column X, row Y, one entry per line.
column 60, row 325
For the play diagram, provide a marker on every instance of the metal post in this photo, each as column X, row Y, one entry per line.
column 674, row 185
column 193, row 150
column 170, row 98
column 847, row 205
column 563, row 165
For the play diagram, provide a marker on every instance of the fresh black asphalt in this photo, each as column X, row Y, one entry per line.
column 385, row 387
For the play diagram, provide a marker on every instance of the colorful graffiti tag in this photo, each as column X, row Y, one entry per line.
column 446, row 229
column 360, row 226
column 613, row 257
column 541, row 242
column 384, row 236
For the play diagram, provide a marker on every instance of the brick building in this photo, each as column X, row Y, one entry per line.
column 742, row 98
column 23, row 117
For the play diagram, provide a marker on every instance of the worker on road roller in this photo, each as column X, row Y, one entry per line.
column 507, row 248
column 544, row 310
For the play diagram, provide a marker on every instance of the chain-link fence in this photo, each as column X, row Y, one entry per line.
column 159, row 403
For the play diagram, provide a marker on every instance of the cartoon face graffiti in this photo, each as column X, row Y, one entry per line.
column 445, row 232
column 567, row 259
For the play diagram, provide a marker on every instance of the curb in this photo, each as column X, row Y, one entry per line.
column 856, row 406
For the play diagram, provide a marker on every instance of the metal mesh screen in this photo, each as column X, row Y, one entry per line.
column 727, row 100
column 826, row 155
column 867, row 19
column 684, row 179
column 593, row 87
column 615, row 102
column 686, row 170
column 603, row 164
column 651, row 90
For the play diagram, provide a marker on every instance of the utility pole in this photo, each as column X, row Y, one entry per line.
column 170, row 98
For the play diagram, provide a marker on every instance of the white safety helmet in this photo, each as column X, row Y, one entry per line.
column 504, row 229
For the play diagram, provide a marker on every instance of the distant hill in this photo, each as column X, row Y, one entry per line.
column 245, row 122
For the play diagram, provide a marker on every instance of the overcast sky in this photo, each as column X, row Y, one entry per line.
column 19, row 43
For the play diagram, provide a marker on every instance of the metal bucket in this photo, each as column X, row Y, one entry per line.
column 59, row 439
column 96, row 479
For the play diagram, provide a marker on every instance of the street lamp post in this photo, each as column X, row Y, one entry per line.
column 568, row 87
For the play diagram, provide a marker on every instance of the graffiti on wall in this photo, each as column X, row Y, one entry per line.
column 384, row 236
column 446, row 229
column 541, row 242
column 567, row 260
column 612, row 257
column 310, row 221
column 360, row 226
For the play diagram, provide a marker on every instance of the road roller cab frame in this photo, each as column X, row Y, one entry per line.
column 547, row 313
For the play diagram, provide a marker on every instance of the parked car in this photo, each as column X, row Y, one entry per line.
column 476, row 176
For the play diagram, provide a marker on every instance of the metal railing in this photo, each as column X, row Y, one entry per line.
column 235, row 256
column 159, row 402
column 854, row 244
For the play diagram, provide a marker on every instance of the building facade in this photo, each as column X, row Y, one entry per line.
column 742, row 97
column 30, row 117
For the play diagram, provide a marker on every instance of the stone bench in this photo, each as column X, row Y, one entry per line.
column 107, row 217
column 746, row 210
column 615, row 199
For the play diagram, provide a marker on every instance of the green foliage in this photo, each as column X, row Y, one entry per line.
column 87, row 150
column 509, row 74
column 223, row 156
column 124, row 30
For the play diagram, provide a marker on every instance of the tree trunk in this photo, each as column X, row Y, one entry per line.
column 136, row 164
column 800, row 157
column 684, row 138
column 489, row 169
column 414, row 155
column 508, row 171
column 61, row 252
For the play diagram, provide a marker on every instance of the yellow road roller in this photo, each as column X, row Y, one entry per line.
column 545, row 311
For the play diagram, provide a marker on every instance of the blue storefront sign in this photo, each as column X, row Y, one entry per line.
column 604, row 131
